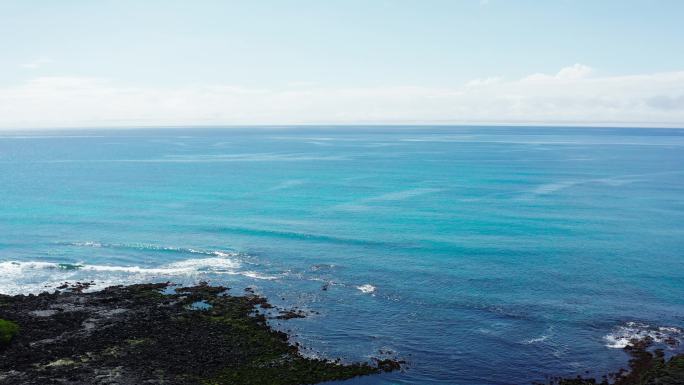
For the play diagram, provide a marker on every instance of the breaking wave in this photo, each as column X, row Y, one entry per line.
column 367, row 288
column 18, row 277
column 633, row 332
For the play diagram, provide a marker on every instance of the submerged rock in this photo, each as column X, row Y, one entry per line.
column 139, row 335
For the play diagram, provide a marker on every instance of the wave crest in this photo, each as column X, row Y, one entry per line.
column 152, row 247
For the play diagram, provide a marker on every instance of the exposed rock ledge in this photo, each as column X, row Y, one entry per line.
column 151, row 334
column 647, row 366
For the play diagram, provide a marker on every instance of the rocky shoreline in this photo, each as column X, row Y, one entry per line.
column 161, row 334
column 647, row 366
column 155, row 334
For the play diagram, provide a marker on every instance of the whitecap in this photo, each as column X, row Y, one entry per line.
column 539, row 339
column 367, row 288
column 86, row 244
column 223, row 254
column 542, row 338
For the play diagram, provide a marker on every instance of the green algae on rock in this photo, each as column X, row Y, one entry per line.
column 7, row 331
column 139, row 335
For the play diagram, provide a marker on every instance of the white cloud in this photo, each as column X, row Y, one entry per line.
column 571, row 96
column 577, row 71
column 483, row 81
column 37, row 63
column 574, row 72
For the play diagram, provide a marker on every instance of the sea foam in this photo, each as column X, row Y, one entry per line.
column 367, row 288
column 632, row 332
column 18, row 277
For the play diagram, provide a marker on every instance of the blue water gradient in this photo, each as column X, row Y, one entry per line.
column 482, row 255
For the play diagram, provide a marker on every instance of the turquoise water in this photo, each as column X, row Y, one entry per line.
column 485, row 255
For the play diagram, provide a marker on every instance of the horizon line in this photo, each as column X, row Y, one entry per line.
column 127, row 127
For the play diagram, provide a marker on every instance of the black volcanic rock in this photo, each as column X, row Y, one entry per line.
column 132, row 335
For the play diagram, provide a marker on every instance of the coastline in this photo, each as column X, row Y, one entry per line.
column 648, row 365
column 157, row 334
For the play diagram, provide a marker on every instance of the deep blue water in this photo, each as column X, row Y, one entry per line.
column 482, row 255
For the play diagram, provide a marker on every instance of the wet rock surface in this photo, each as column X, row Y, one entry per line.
column 149, row 334
column 647, row 366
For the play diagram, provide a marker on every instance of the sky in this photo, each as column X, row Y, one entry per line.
column 129, row 63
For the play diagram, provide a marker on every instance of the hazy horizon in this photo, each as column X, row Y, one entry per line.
column 328, row 127
column 112, row 64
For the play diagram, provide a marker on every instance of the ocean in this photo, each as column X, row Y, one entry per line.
column 480, row 255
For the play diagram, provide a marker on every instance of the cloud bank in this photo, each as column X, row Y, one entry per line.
column 574, row 95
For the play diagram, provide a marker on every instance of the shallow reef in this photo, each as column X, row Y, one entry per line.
column 154, row 334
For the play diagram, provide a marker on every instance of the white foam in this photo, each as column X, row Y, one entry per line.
column 536, row 340
column 367, row 288
column 13, row 267
column 540, row 339
column 152, row 247
column 625, row 335
column 255, row 275
column 18, row 277
column 87, row 244
column 211, row 264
